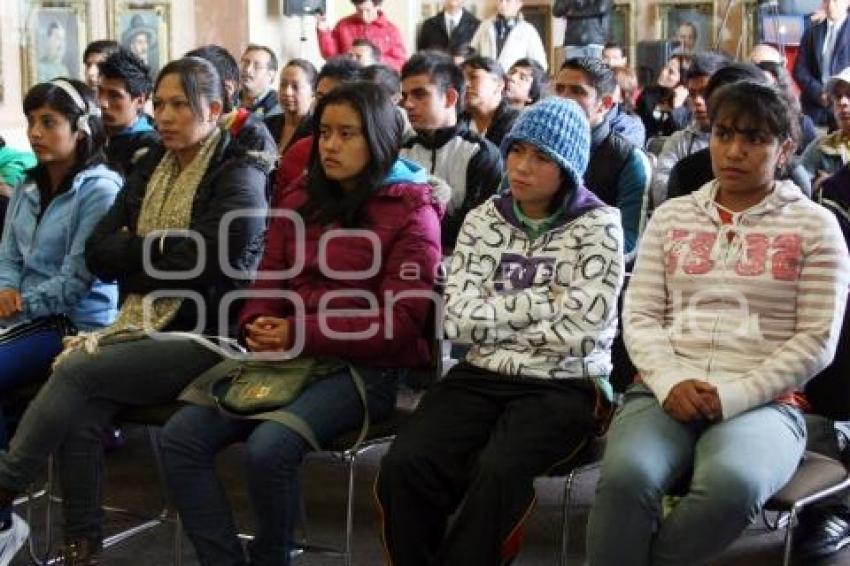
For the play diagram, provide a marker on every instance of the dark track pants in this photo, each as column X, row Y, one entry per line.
column 479, row 439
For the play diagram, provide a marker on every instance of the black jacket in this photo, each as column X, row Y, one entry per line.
column 434, row 35
column 660, row 124
column 808, row 65
column 470, row 164
column 235, row 180
column 125, row 150
column 267, row 106
column 588, row 21
column 275, row 125
column 694, row 170
column 503, row 121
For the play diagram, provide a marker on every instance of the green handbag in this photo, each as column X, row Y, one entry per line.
column 261, row 389
column 249, row 387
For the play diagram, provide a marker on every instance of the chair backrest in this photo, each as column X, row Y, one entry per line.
column 829, row 391
column 624, row 371
column 422, row 378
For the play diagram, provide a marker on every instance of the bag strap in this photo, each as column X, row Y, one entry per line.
column 301, row 427
column 361, row 391
column 284, row 417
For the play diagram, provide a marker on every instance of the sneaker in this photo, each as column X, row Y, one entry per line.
column 821, row 532
column 12, row 539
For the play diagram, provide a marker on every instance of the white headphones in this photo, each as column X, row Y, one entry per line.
column 83, row 106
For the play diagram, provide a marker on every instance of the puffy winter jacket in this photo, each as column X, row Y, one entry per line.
column 396, row 258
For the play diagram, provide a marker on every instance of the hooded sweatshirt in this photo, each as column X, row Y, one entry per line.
column 752, row 307
column 43, row 259
column 545, row 308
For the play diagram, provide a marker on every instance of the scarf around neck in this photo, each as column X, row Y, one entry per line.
column 167, row 205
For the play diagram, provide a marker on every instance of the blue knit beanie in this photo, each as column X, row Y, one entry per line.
column 559, row 128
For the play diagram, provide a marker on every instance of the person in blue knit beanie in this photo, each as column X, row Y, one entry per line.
column 532, row 289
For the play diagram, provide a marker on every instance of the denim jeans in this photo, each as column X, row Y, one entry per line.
column 24, row 361
column 78, row 400
column 273, row 453
column 737, row 465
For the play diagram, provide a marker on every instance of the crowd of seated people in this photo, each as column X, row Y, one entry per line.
column 164, row 218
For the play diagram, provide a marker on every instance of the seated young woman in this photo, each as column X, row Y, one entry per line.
column 191, row 183
column 736, row 301
column 364, row 253
column 532, row 286
column 43, row 274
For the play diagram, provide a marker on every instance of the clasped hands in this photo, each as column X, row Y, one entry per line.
column 268, row 334
column 693, row 400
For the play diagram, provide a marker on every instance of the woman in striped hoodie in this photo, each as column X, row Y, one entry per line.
column 735, row 302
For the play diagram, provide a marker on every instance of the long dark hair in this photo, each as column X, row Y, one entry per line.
column 382, row 126
column 89, row 150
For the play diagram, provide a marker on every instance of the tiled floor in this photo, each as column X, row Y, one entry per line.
column 132, row 483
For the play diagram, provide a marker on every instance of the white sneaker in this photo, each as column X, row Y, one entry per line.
column 12, row 539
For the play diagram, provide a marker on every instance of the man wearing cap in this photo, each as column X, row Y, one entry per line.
column 140, row 38
column 824, row 51
column 827, row 154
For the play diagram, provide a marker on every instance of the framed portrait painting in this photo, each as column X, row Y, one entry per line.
column 691, row 22
column 57, row 34
column 144, row 28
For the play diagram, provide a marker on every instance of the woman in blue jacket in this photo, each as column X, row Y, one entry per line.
column 42, row 265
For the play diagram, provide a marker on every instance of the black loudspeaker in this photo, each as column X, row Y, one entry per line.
column 651, row 57
column 303, row 7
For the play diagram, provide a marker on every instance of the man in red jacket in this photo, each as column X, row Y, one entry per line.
column 368, row 22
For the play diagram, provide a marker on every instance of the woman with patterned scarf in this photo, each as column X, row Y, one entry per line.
column 160, row 242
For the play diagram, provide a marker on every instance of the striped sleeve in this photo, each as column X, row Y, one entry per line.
column 821, row 299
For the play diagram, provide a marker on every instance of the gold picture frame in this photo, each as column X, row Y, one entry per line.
column 57, row 33
column 144, row 27
column 540, row 16
column 624, row 27
column 699, row 13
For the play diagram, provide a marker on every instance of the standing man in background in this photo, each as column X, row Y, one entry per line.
column 824, row 52
column 507, row 37
column 588, row 26
column 452, row 27
column 368, row 22
column 258, row 67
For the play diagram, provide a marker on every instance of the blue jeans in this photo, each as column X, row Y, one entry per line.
column 80, row 398
column 737, row 465
column 22, row 362
column 273, row 452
